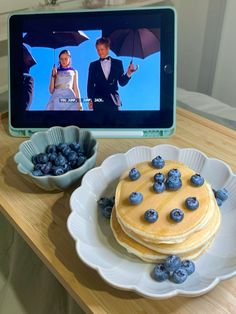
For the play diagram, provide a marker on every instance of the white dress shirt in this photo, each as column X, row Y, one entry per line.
column 106, row 67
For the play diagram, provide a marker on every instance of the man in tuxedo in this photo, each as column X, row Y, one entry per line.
column 104, row 76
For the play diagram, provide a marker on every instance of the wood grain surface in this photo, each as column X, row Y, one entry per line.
column 40, row 217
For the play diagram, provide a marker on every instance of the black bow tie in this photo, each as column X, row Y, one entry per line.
column 107, row 58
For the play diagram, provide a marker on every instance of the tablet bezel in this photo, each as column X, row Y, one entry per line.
column 142, row 123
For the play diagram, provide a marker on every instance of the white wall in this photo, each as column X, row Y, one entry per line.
column 224, row 86
column 199, row 36
column 8, row 5
column 192, row 18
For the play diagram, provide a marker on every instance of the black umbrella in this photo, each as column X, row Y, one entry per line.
column 28, row 59
column 140, row 42
column 54, row 39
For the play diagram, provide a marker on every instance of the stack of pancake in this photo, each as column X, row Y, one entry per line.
column 153, row 242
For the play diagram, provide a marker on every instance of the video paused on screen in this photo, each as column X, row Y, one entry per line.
column 92, row 70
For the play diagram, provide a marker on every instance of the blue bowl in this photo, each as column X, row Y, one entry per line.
column 55, row 135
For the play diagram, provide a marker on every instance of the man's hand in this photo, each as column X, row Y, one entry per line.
column 132, row 69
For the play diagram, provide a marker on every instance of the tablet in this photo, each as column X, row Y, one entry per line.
column 110, row 71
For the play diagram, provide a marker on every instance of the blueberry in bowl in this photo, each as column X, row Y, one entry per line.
column 57, row 158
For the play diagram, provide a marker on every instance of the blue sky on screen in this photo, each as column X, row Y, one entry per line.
column 141, row 93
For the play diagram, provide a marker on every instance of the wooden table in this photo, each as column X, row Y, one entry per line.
column 41, row 217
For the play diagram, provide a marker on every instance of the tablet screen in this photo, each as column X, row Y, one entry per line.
column 94, row 69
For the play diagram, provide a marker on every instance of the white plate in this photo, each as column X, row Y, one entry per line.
column 96, row 246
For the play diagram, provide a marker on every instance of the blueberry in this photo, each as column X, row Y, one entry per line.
column 81, row 152
column 52, row 156
column 42, row 158
column 46, row 168
column 158, row 162
column 57, row 171
column 173, row 183
column 81, row 159
column 103, row 201
column 151, row 215
column 60, row 160
column 75, row 146
column 62, row 146
column 34, row 159
column 72, row 156
column 176, row 214
column 172, row 262
column 219, row 202
column 106, row 204
column 160, row 273
column 222, row 194
column 191, row 203
column 38, row 166
column 197, row 179
column 189, row 266
column 73, row 163
column 51, row 148
column 159, row 187
column 66, row 167
column 112, row 200
column 179, row 275
column 66, row 151
column 134, row 174
column 37, row 173
column 174, row 173
column 135, row 198
column 106, row 201
column 159, row 177
column 106, row 211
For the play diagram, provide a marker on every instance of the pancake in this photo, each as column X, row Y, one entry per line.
column 132, row 217
column 193, row 241
column 145, row 253
column 155, row 241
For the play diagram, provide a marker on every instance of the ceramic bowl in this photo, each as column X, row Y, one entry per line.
column 55, row 135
